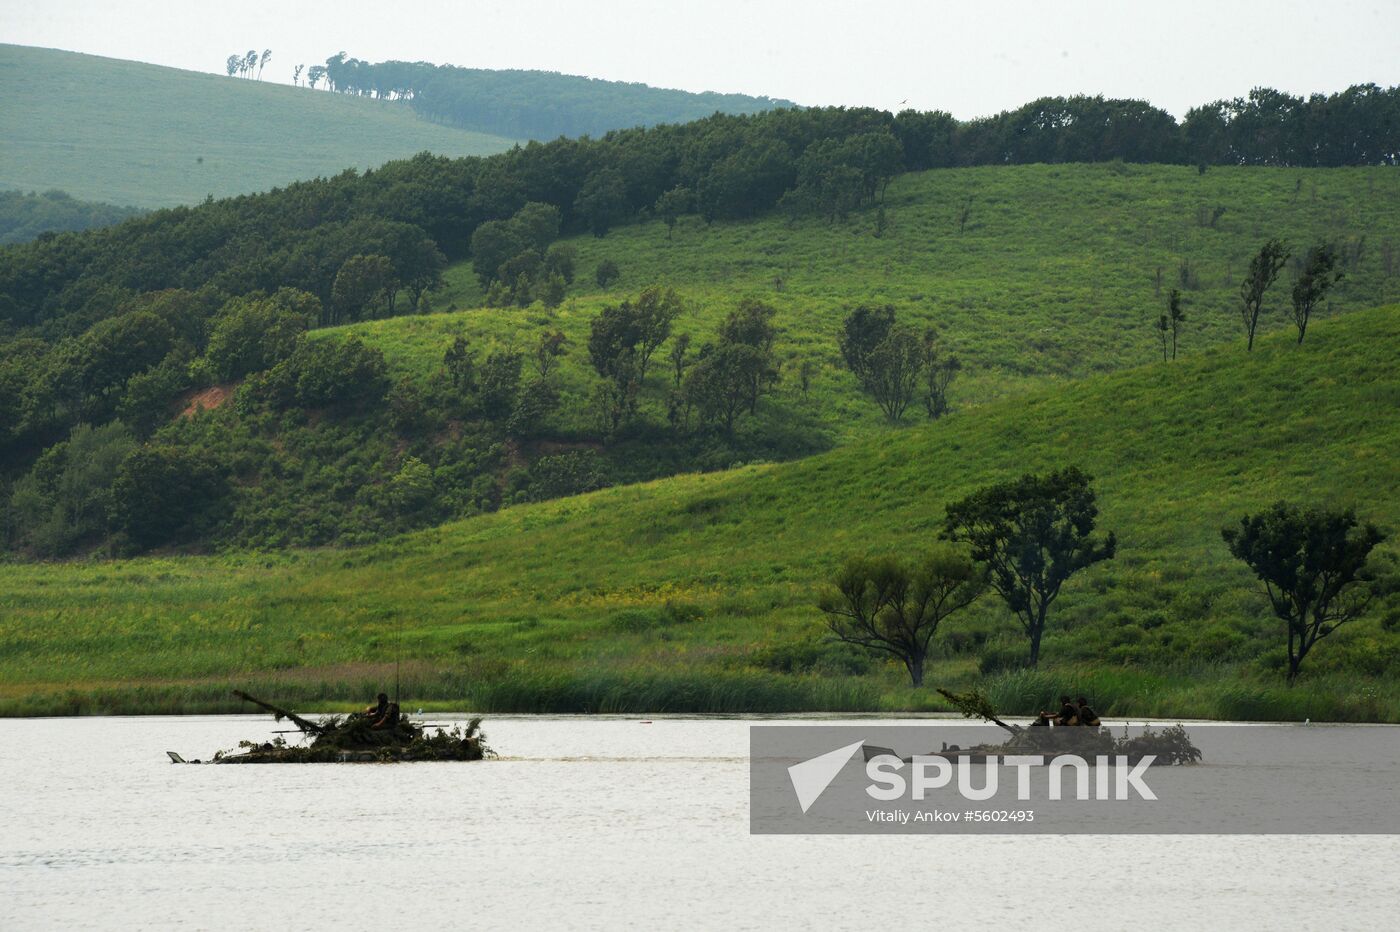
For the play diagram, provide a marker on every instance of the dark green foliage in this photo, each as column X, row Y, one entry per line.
column 602, row 201
column 672, row 204
column 460, row 364
column 892, row 362
column 165, row 494
column 719, row 384
column 606, row 274
column 65, row 500
column 1031, row 535
column 726, row 379
column 254, row 333
column 939, row 370
column 569, row 473
column 552, row 346
column 893, row 371
column 559, row 259
column 498, row 382
column 512, row 253
column 624, row 336
column 148, row 397
column 861, row 332
column 1319, row 274
column 534, row 405
column 24, row 217
column 885, row 604
column 1263, row 269
column 1313, row 564
column 323, row 373
column 364, row 286
column 408, row 410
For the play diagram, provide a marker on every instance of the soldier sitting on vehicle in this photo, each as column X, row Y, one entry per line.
column 389, row 720
column 376, row 711
column 1086, row 715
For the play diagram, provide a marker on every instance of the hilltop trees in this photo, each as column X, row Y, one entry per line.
column 1031, row 535
column 1318, row 275
column 896, row 607
column 602, row 201
column 251, row 334
column 1313, row 564
column 363, row 284
column 672, row 204
column 1263, row 270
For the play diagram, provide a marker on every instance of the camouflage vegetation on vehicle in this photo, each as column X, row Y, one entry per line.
column 353, row 739
column 1171, row 745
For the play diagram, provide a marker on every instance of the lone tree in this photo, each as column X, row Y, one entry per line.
column 1174, row 317
column 1030, row 535
column 939, row 372
column 1313, row 564
column 672, row 204
column 1320, row 273
column 885, row 604
column 1263, row 269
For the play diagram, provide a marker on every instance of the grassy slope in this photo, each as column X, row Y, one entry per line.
column 131, row 133
column 564, row 605
column 1053, row 279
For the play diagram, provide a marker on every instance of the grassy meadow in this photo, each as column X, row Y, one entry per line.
column 143, row 135
column 696, row 593
column 1055, row 277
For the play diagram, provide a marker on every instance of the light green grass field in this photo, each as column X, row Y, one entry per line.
column 148, row 136
column 697, row 592
column 1054, row 278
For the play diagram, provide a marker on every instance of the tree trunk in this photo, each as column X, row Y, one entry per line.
column 916, row 669
column 1036, row 632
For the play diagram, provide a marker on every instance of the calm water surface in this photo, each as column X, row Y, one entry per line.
column 583, row 823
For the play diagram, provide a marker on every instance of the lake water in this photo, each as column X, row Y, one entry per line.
column 582, row 823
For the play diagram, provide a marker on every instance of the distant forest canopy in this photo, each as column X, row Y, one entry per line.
column 24, row 217
column 526, row 104
column 1358, row 126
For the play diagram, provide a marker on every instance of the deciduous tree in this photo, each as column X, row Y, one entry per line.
column 896, row 607
column 1313, row 564
column 1263, row 269
column 1031, row 535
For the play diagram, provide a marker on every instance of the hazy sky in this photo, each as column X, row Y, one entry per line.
column 971, row 58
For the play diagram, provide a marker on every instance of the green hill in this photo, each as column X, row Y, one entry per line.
column 130, row 133
column 1060, row 272
column 697, row 592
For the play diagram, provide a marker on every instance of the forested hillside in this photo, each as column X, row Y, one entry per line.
column 526, row 104
column 163, row 383
column 124, row 132
column 698, row 593
column 24, row 217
